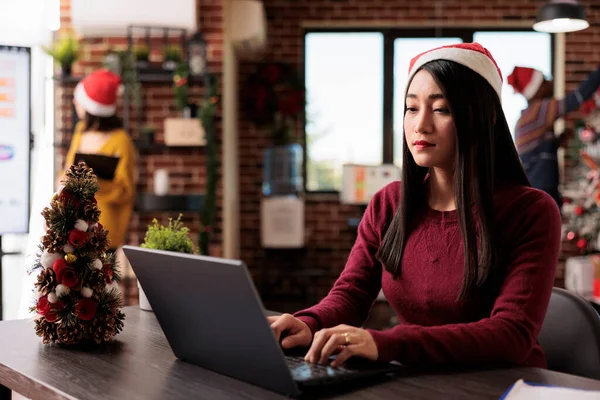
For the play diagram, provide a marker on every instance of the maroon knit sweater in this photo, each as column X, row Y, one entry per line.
column 435, row 328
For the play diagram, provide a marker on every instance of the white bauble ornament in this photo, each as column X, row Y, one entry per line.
column 47, row 259
column 81, row 225
column 52, row 297
column 87, row 292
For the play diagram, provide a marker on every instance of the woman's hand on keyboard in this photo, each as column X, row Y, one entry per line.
column 345, row 341
column 296, row 332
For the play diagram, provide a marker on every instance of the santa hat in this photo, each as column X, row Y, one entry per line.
column 472, row 55
column 526, row 81
column 97, row 93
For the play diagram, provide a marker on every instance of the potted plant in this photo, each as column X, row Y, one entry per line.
column 146, row 137
column 65, row 51
column 172, row 237
column 172, row 56
column 275, row 100
column 141, row 55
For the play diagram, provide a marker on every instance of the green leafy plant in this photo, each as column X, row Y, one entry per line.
column 141, row 53
column 148, row 129
column 65, row 51
column 174, row 237
column 172, row 53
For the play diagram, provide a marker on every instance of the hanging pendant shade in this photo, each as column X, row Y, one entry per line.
column 561, row 16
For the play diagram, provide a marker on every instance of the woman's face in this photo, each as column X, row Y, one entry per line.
column 428, row 125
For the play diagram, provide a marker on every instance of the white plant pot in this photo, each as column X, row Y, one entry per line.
column 144, row 303
column 161, row 182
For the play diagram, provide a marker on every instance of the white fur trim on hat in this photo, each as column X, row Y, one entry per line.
column 534, row 84
column 92, row 106
column 472, row 59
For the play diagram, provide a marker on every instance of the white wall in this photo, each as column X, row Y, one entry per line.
column 26, row 23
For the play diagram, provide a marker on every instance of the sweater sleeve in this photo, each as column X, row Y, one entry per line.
column 510, row 332
column 585, row 91
column 354, row 292
column 70, row 157
column 121, row 189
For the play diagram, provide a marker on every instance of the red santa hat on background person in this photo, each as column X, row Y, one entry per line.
column 97, row 93
column 471, row 55
column 526, row 81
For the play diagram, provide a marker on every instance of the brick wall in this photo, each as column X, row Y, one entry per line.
column 186, row 167
column 329, row 237
column 304, row 275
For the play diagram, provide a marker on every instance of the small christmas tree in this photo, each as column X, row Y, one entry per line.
column 78, row 297
column 581, row 194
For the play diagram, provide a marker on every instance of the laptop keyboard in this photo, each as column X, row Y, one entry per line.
column 304, row 370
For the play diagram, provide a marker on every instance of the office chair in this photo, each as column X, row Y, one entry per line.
column 570, row 335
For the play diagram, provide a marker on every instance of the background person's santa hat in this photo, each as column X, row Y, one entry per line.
column 97, row 93
column 472, row 55
column 526, row 81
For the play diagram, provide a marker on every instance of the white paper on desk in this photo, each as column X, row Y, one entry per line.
column 523, row 391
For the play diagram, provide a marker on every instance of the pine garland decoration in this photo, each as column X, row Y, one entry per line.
column 77, row 297
column 209, row 208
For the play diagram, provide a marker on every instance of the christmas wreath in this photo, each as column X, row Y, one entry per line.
column 274, row 98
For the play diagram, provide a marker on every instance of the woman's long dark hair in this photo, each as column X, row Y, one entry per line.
column 101, row 124
column 485, row 158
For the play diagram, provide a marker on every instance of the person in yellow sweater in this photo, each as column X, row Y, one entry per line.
column 100, row 131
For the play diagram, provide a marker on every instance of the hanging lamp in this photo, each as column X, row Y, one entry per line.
column 561, row 16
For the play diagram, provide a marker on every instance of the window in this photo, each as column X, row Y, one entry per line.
column 355, row 84
column 344, row 102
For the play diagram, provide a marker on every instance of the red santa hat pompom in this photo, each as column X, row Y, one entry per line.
column 526, row 81
column 471, row 55
column 97, row 93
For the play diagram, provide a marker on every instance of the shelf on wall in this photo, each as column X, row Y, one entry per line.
column 143, row 77
column 150, row 202
column 160, row 147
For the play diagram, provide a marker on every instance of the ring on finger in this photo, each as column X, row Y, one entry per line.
column 347, row 340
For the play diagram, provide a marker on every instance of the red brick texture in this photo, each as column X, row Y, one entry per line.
column 329, row 239
column 186, row 167
column 311, row 271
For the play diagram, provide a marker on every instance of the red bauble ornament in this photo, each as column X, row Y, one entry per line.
column 77, row 238
column 42, row 305
column 579, row 210
column 582, row 244
column 570, row 235
column 59, row 265
column 85, row 309
column 108, row 273
column 68, row 198
column 69, row 277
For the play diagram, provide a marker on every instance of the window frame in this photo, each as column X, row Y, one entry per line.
column 389, row 36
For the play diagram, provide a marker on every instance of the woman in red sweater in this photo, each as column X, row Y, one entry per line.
column 463, row 248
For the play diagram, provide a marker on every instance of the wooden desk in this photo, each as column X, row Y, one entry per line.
column 140, row 365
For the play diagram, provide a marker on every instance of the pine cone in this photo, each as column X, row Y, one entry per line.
column 46, row 281
column 46, row 330
column 105, row 326
column 98, row 243
column 96, row 281
column 90, row 212
column 72, row 334
column 53, row 241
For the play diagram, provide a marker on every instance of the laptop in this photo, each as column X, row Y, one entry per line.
column 212, row 316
